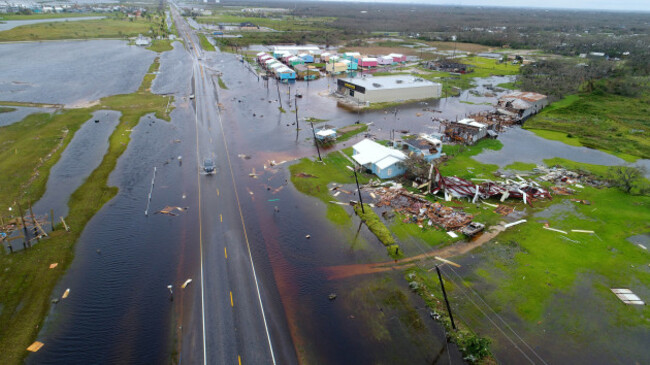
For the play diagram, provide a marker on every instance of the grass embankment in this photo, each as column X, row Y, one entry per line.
column 83, row 29
column 26, row 280
column 47, row 16
column 312, row 177
column 161, row 45
column 205, row 43
column 222, row 84
column 350, row 131
column 376, row 226
column 607, row 122
column 28, row 104
column 6, row 109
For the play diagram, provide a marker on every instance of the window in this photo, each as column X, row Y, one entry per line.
column 389, row 172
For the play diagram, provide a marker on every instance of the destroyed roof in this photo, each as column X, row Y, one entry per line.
column 373, row 152
column 471, row 122
column 525, row 95
column 326, row 132
column 422, row 143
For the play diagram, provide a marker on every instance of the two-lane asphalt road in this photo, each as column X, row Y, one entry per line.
column 229, row 324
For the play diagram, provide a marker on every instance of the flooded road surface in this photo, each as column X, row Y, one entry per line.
column 10, row 24
column 82, row 155
column 20, row 113
column 70, row 72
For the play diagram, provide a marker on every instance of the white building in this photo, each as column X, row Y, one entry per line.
column 388, row 88
column 522, row 104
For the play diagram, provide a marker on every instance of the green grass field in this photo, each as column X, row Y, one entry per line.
column 5, row 109
column 205, row 44
column 161, row 45
column 607, row 122
column 332, row 170
column 26, row 281
column 47, row 16
column 103, row 28
column 283, row 23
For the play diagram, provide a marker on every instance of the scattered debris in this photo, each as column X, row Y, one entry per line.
column 253, row 174
column 452, row 234
column 504, row 209
column 169, row 210
column 332, row 296
column 308, row 236
column 65, row 293
column 304, row 175
column 244, row 157
column 554, row 230
column 514, row 223
column 35, row 346
column 581, row 231
column 186, row 283
column 627, row 296
column 52, row 266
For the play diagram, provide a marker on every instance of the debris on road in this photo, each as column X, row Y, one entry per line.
column 308, row 236
column 169, row 210
column 244, row 157
column 186, row 283
column 332, row 296
column 65, row 293
column 514, row 223
column 627, row 296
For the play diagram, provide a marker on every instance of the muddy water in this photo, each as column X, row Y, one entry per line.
column 20, row 113
column 70, row 72
column 118, row 310
column 296, row 262
column 80, row 158
column 10, row 24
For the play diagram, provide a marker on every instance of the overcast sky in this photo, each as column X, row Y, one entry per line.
column 620, row 5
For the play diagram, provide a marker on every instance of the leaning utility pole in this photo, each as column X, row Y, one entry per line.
column 315, row 140
column 444, row 293
column 358, row 189
column 277, row 84
column 296, row 102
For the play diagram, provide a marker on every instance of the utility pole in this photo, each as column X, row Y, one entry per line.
column 444, row 293
column 277, row 84
column 315, row 140
column 22, row 221
column 296, row 101
column 358, row 189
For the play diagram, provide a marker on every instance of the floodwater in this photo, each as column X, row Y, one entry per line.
column 173, row 72
column 10, row 24
column 70, row 72
column 20, row 113
column 525, row 146
column 78, row 160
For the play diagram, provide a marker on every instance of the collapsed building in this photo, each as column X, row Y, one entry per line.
column 466, row 131
column 521, row 104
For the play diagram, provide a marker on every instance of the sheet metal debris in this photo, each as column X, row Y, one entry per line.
column 627, row 296
column 169, row 210
column 35, row 346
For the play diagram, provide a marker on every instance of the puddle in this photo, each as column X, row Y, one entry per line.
column 20, row 113
column 80, row 158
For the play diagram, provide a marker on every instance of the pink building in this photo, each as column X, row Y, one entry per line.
column 384, row 60
column 397, row 57
column 368, row 62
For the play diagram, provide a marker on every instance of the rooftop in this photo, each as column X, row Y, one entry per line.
column 373, row 152
column 389, row 82
column 525, row 95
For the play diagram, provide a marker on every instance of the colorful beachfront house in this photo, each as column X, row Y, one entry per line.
column 352, row 65
column 325, row 57
column 275, row 67
column 368, row 62
column 293, row 60
column 286, row 73
column 336, row 67
column 383, row 161
column 306, row 57
column 352, row 56
column 264, row 58
column 384, row 60
column 426, row 146
column 304, row 72
column 280, row 53
column 334, row 59
column 397, row 57
column 270, row 62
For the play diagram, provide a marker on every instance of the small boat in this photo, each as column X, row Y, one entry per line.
column 472, row 229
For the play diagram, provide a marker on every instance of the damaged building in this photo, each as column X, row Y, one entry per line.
column 522, row 104
column 467, row 131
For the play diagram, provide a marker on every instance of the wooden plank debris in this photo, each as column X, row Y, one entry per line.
column 554, row 230
column 35, row 346
column 66, row 293
column 53, row 265
column 514, row 223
